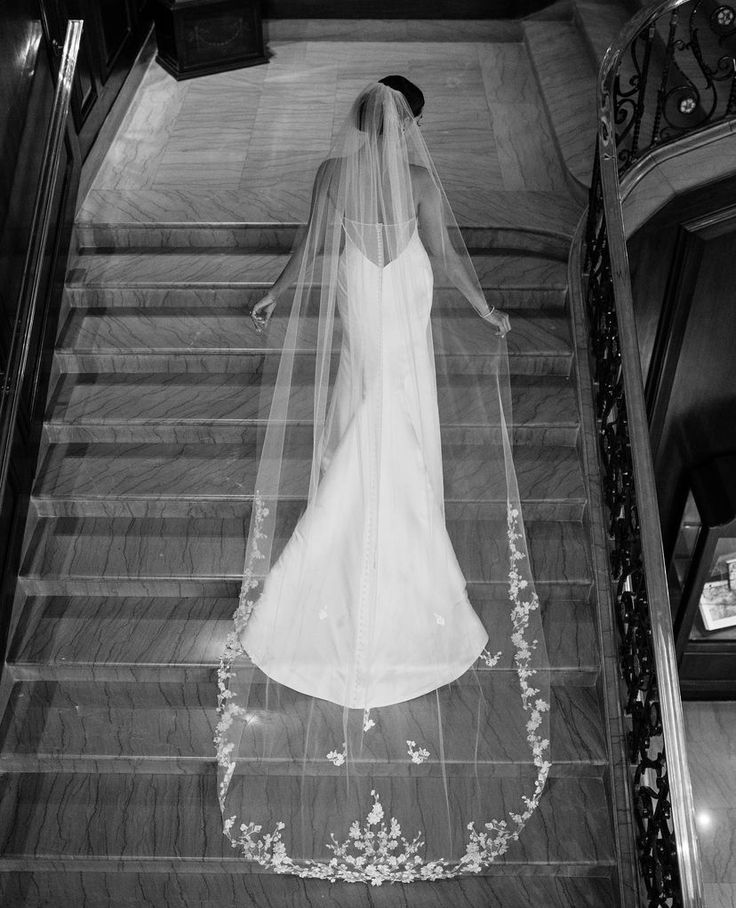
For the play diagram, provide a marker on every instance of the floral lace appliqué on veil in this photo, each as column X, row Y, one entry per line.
column 376, row 851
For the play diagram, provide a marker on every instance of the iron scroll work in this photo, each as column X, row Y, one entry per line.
column 672, row 72
column 677, row 75
column 652, row 807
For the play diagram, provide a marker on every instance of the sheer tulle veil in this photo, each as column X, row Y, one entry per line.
column 378, row 721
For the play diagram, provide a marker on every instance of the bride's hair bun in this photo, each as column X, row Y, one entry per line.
column 412, row 93
column 369, row 112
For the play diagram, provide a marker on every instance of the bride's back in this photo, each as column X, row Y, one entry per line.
column 377, row 202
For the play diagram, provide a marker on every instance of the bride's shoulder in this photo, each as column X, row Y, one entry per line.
column 423, row 185
column 420, row 176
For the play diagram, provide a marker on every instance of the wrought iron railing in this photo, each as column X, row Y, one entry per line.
column 28, row 298
column 670, row 73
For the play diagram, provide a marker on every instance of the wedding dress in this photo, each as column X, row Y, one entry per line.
column 366, row 732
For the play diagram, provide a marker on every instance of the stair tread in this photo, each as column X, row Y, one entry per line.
column 229, row 331
column 122, row 818
column 34, row 888
column 195, row 267
column 100, row 549
column 567, row 79
column 183, row 397
column 548, row 212
column 228, row 471
column 182, row 638
column 511, row 296
column 56, row 722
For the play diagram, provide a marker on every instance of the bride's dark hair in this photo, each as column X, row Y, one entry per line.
column 412, row 93
column 370, row 118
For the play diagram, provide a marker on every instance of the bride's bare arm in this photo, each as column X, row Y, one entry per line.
column 438, row 243
column 263, row 309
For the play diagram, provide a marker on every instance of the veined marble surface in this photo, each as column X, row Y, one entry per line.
column 212, row 890
column 711, row 752
column 244, row 145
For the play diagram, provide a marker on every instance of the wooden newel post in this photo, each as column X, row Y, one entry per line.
column 197, row 37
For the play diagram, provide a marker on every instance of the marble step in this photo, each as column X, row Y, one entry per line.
column 146, row 821
column 191, row 407
column 93, row 238
column 180, row 639
column 600, row 22
column 509, row 282
column 169, row 727
column 509, row 296
column 69, row 556
column 127, row 340
column 167, row 216
column 218, row 480
column 55, row 888
column 567, row 80
column 214, row 269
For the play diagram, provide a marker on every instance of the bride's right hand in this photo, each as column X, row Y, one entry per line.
column 262, row 311
column 499, row 320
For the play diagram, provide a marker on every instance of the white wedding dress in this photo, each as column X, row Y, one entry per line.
column 368, row 730
column 378, row 611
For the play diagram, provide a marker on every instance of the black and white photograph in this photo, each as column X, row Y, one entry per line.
column 367, row 453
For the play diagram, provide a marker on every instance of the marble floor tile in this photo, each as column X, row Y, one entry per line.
column 711, row 750
column 567, row 81
column 264, row 130
column 507, row 74
column 525, row 149
column 710, row 736
column 720, row 895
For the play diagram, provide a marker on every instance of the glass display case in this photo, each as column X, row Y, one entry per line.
column 702, row 578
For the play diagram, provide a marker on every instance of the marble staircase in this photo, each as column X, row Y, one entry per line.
column 141, row 503
column 131, row 575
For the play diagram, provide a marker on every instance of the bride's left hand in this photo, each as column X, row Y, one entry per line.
column 500, row 320
column 262, row 311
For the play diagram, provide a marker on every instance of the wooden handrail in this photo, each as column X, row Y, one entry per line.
column 27, row 309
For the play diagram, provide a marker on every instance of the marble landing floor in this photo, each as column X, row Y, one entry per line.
column 243, row 146
column 711, row 754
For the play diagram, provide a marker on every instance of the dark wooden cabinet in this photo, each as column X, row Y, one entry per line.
column 197, row 37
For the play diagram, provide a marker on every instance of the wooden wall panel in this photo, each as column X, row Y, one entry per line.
column 114, row 31
column 683, row 264
column 20, row 42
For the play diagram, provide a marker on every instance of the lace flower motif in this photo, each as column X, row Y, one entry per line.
column 368, row 723
column 489, row 660
column 337, row 757
column 417, row 754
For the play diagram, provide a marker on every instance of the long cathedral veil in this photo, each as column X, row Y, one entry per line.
column 373, row 726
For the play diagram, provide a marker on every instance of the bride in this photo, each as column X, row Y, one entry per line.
column 368, row 730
